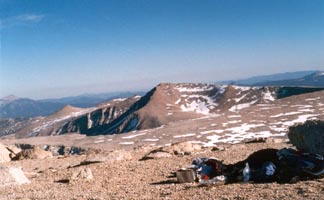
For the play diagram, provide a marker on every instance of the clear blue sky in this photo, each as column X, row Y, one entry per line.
column 54, row 48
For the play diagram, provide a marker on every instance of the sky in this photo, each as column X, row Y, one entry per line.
column 69, row 47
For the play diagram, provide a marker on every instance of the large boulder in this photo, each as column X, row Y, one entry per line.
column 4, row 154
column 308, row 137
column 12, row 176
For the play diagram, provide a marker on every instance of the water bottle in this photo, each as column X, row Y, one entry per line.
column 246, row 173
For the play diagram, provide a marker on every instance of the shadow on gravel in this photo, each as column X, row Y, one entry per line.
column 167, row 182
column 84, row 163
column 63, row 181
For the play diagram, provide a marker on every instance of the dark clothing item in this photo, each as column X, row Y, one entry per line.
column 265, row 174
column 256, row 162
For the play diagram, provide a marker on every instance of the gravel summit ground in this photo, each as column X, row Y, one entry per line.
column 134, row 179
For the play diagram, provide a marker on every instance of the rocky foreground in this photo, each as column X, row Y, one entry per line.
column 126, row 175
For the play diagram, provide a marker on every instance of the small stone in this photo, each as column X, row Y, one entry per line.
column 218, row 148
column 275, row 140
column 82, row 173
column 118, row 155
column 156, row 155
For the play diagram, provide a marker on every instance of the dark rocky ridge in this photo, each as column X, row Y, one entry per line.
column 97, row 118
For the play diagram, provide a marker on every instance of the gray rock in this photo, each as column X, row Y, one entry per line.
column 156, row 155
column 117, row 155
column 4, row 154
column 275, row 140
column 308, row 137
column 82, row 174
column 12, row 176
column 182, row 148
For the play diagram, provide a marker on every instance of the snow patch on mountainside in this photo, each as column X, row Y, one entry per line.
column 199, row 106
column 194, row 89
column 268, row 96
column 120, row 99
column 199, row 98
column 238, row 107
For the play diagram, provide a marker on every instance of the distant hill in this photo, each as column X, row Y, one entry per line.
column 28, row 108
column 313, row 80
column 13, row 107
column 266, row 78
column 7, row 99
column 89, row 100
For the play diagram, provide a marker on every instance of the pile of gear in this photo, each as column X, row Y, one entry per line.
column 285, row 165
column 267, row 165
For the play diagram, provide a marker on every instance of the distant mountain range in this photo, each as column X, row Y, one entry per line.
column 312, row 80
column 12, row 106
column 89, row 100
column 271, row 79
column 165, row 104
column 23, row 107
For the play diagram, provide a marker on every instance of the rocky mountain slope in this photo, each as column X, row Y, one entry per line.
column 12, row 125
column 231, row 126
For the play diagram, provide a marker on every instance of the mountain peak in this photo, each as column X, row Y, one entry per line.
column 66, row 110
column 69, row 108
